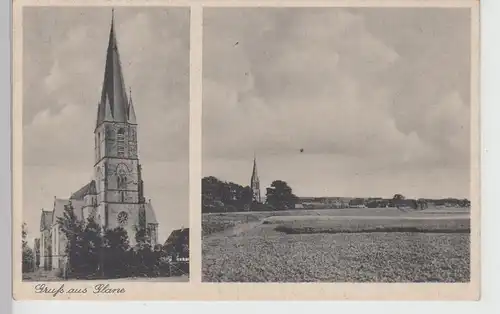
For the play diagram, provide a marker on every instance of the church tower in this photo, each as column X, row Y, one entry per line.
column 117, row 171
column 255, row 184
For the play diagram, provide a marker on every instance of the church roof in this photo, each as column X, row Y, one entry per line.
column 89, row 188
column 59, row 205
column 150, row 214
column 45, row 220
column 114, row 105
column 178, row 235
column 179, row 242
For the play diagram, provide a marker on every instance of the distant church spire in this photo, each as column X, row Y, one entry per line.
column 114, row 104
column 255, row 183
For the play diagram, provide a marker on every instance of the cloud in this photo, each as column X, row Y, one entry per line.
column 160, row 92
column 322, row 80
column 64, row 68
column 309, row 65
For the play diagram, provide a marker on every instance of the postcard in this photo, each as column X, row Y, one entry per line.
column 246, row 150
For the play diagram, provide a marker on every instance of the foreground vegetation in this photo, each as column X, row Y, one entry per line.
column 360, row 257
column 320, row 246
column 94, row 253
column 461, row 225
column 218, row 222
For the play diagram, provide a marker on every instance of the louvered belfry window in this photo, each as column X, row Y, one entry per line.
column 120, row 139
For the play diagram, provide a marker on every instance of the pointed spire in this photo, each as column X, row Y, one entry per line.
column 113, row 87
column 254, row 182
column 254, row 171
column 131, row 111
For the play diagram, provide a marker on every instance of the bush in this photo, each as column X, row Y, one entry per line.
column 179, row 268
column 28, row 260
column 93, row 255
column 262, row 207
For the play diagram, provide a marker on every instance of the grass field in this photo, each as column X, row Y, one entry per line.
column 347, row 245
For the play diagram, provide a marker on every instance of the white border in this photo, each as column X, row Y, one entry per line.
column 5, row 160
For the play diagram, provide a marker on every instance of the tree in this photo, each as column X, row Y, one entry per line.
column 91, row 244
column 280, row 195
column 24, row 233
column 37, row 253
column 246, row 195
column 221, row 196
column 28, row 256
column 398, row 197
column 117, row 257
column 141, row 232
column 142, row 256
column 464, row 203
column 422, row 204
column 72, row 229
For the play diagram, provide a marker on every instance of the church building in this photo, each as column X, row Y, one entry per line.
column 115, row 195
column 255, row 183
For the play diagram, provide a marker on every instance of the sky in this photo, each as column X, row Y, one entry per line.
column 377, row 98
column 64, row 52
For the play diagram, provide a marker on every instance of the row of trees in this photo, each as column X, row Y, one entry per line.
column 225, row 196
column 421, row 203
column 221, row 196
column 95, row 253
column 28, row 255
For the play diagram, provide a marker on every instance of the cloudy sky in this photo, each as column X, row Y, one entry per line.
column 379, row 99
column 64, row 56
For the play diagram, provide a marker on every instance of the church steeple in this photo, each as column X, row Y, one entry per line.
column 255, row 183
column 131, row 111
column 113, row 87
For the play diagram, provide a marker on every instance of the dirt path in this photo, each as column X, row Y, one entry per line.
column 256, row 227
column 281, row 219
column 236, row 230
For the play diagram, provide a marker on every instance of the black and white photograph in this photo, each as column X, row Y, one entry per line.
column 105, row 133
column 336, row 145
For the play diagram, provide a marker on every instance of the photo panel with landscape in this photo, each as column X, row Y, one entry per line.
column 105, row 133
column 336, row 145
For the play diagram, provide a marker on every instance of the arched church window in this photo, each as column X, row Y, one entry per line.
column 121, row 176
column 98, row 144
column 122, row 181
column 92, row 213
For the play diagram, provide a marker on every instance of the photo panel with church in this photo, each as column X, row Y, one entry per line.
column 105, row 143
column 358, row 121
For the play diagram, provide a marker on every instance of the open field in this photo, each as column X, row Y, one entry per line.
column 346, row 245
column 301, row 225
column 216, row 222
